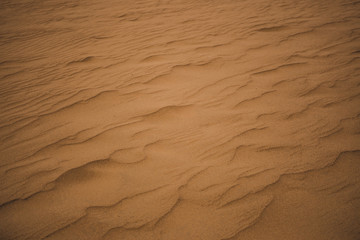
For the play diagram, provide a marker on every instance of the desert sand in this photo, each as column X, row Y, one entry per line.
column 180, row 120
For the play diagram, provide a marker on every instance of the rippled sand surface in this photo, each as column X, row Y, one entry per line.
column 180, row 120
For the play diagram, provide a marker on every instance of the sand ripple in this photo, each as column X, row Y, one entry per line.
column 180, row 119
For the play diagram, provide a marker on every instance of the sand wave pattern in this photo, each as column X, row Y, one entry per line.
column 180, row 120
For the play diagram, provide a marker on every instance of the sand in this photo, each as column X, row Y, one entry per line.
column 180, row 120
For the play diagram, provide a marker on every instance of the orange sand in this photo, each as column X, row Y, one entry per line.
column 180, row 120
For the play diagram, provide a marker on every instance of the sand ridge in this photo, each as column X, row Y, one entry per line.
column 180, row 119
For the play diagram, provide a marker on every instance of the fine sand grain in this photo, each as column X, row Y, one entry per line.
column 180, row 120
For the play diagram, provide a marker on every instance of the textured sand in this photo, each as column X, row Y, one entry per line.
column 180, row 120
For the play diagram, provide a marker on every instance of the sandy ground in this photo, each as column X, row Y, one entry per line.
column 180, row 120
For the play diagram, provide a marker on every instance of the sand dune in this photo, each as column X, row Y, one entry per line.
column 183, row 119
